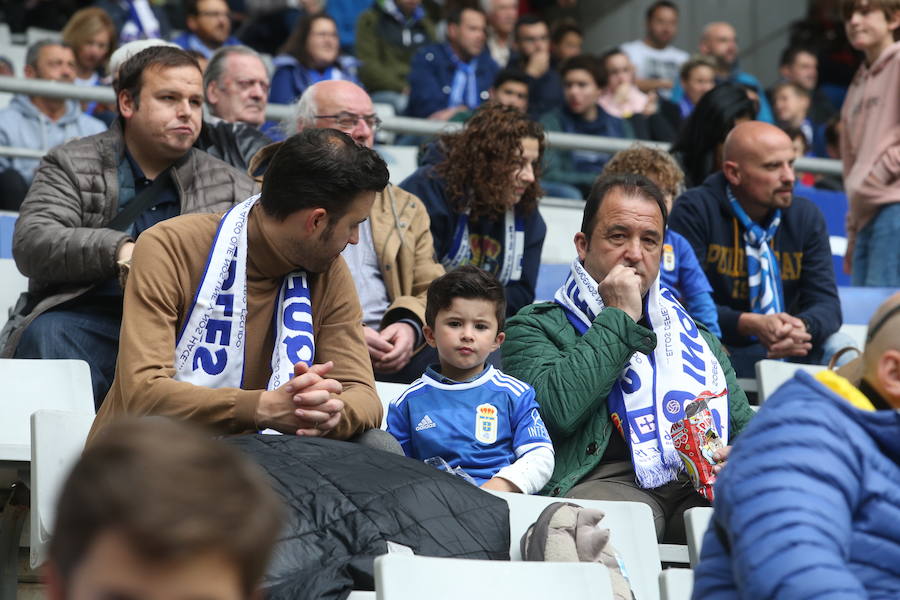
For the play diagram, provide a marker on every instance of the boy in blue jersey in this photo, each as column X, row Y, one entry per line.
column 473, row 416
column 678, row 270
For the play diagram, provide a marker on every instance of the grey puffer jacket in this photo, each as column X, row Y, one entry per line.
column 60, row 240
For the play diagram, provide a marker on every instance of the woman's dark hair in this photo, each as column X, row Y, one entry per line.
column 296, row 42
column 706, row 128
column 481, row 159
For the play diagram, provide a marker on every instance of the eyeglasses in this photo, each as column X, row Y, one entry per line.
column 246, row 84
column 347, row 120
column 214, row 14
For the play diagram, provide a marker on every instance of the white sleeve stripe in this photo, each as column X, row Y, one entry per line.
column 526, row 448
column 512, row 380
column 415, row 386
column 508, row 386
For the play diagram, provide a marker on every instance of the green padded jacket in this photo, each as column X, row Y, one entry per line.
column 572, row 376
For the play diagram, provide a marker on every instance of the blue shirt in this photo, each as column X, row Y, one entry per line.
column 481, row 425
column 679, row 270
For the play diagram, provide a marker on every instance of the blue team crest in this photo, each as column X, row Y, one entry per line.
column 486, row 423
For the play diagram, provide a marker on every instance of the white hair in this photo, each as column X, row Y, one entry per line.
column 304, row 112
column 126, row 51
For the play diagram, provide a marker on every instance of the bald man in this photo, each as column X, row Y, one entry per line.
column 719, row 40
column 393, row 263
column 807, row 507
column 746, row 220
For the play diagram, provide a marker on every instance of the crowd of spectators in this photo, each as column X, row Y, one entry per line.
column 120, row 225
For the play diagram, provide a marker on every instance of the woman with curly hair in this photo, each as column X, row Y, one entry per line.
column 481, row 195
column 311, row 54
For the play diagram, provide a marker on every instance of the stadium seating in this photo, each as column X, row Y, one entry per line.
column 388, row 392
column 696, row 521
column 408, row 577
column 676, row 584
column 630, row 524
column 57, row 438
column 770, row 374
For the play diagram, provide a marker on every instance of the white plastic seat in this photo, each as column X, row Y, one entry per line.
column 388, row 392
column 57, row 439
column 31, row 385
column 632, row 533
column 676, row 584
column 696, row 522
column 401, row 161
column 407, row 577
column 771, row 374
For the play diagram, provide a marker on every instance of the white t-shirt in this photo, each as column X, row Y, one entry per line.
column 651, row 63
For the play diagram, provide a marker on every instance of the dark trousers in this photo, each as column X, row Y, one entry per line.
column 12, row 190
column 87, row 329
column 616, row 481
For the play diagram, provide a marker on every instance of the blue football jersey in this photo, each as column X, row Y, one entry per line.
column 481, row 426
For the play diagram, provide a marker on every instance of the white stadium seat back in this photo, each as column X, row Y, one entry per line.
column 31, row 385
column 696, row 522
column 631, row 532
column 57, row 439
column 771, row 374
column 407, row 577
column 388, row 392
column 676, row 584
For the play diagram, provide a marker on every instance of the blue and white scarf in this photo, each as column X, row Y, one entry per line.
column 766, row 295
column 141, row 24
column 653, row 388
column 210, row 347
column 460, row 252
column 464, row 89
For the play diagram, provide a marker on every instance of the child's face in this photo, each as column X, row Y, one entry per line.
column 799, row 144
column 869, row 27
column 464, row 334
column 789, row 105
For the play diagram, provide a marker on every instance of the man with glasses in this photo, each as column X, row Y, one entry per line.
column 393, row 263
column 209, row 27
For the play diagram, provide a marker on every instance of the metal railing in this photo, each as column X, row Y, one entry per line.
column 393, row 124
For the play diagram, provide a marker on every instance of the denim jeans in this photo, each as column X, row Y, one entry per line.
column 744, row 358
column 876, row 257
column 85, row 329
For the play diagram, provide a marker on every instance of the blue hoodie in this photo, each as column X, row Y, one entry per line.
column 807, row 505
column 22, row 125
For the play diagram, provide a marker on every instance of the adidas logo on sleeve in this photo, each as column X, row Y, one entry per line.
column 425, row 423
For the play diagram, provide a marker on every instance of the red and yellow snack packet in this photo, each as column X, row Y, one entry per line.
column 696, row 440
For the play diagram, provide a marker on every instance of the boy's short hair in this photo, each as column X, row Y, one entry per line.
column 654, row 164
column 563, row 27
column 697, row 60
column 584, row 62
column 795, row 133
column 509, row 74
column 469, row 282
column 798, row 89
column 171, row 492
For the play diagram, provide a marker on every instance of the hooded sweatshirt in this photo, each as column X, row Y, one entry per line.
column 22, row 125
column 870, row 142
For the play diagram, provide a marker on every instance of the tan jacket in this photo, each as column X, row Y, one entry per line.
column 870, row 139
column 167, row 267
column 401, row 233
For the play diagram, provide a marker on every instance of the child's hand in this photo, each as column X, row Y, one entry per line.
column 498, row 484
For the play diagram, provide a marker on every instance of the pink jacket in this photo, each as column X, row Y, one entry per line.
column 870, row 139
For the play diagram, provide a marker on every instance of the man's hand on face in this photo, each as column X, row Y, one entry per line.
column 621, row 288
column 304, row 405
column 403, row 338
column 538, row 64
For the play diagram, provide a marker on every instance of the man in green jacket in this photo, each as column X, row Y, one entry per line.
column 614, row 355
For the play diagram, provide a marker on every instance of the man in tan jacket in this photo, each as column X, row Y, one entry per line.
column 249, row 321
column 393, row 264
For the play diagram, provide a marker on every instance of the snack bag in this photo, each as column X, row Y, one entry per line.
column 696, row 440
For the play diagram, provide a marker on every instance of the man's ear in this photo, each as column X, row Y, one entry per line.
column 126, row 104
column 30, row 72
column 316, row 220
column 732, row 172
column 212, row 93
column 429, row 336
column 888, row 374
column 581, row 245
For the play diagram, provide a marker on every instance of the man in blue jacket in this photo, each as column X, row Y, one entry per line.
column 765, row 252
column 807, row 507
column 454, row 76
